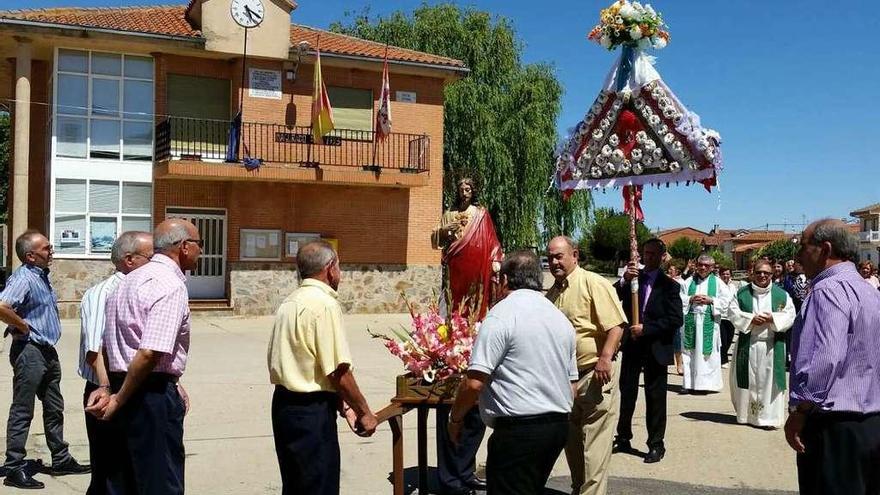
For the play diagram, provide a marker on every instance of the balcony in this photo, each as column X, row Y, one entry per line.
column 869, row 236
column 197, row 149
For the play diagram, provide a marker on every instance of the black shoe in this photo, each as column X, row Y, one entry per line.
column 21, row 479
column 477, row 483
column 622, row 446
column 463, row 491
column 70, row 466
column 655, row 454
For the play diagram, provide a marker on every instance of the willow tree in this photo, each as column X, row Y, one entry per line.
column 500, row 120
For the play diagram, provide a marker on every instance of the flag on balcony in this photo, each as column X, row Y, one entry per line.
column 233, row 139
column 322, row 112
column 383, row 116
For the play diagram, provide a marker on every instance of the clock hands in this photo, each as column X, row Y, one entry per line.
column 251, row 14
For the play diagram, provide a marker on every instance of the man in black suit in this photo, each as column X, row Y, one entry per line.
column 648, row 346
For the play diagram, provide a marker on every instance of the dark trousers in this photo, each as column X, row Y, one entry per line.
column 106, row 451
column 306, row 441
column 151, row 423
column 522, row 453
column 727, row 332
column 456, row 463
column 842, row 455
column 635, row 360
column 36, row 374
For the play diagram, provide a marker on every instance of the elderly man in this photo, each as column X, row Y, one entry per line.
column 523, row 369
column 762, row 312
column 130, row 251
column 834, row 402
column 310, row 366
column 146, row 342
column 705, row 299
column 591, row 304
column 29, row 306
column 648, row 347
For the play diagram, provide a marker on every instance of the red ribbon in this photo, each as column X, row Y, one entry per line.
column 637, row 190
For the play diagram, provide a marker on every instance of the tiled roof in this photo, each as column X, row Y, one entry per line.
column 171, row 21
column 866, row 209
column 763, row 236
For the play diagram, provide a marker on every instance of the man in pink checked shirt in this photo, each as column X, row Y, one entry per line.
column 146, row 341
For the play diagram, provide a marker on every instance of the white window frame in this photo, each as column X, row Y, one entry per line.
column 118, row 170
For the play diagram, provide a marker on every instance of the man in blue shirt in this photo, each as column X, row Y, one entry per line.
column 29, row 306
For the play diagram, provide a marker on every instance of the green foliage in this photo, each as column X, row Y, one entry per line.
column 721, row 260
column 5, row 154
column 685, row 249
column 608, row 237
column 500, row 120
column 780, row 250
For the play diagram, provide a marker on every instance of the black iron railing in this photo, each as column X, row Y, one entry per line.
column 278, row 145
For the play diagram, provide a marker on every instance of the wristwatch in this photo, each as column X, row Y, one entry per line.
column 801, row 408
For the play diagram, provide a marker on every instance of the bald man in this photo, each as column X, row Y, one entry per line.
column 146, row 342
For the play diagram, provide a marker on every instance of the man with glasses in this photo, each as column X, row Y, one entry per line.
column 705, row 298
column 130, row 251
column 146, row 342
column 29, row 306
column 762, row 312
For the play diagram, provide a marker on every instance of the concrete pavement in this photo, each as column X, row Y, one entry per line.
column 228, row 433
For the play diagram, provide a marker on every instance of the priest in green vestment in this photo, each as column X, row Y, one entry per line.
column 705, row 298
column 761, row 313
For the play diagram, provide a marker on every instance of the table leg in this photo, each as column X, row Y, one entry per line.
column 396, row 424
column 423, row 450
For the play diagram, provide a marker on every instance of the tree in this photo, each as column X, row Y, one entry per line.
column 721, row 260
column 685, row 248
column 500, row 120
column 780, row 250
column 608, row 237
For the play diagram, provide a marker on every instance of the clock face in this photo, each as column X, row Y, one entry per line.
column 247, row 13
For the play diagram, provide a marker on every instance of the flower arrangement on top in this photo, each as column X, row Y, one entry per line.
column 435, row 347
column 633, row 24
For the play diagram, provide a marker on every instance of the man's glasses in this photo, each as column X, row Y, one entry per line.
column 198, row 242
column 767, row 274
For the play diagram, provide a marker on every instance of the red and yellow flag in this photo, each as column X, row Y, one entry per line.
column 322, row 112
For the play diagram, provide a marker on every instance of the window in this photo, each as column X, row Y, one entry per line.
column 352, row 108
column 104, row 106
column 90, row 214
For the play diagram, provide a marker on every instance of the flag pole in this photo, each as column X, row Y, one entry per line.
column 634, row 254
column 375, row 121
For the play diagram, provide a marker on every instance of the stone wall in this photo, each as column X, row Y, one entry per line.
column 258, row 288
column 71, row 279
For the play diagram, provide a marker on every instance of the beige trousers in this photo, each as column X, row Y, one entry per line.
column 591, row 433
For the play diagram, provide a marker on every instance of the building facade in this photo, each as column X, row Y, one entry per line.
column 869, row 233
column 122, row 117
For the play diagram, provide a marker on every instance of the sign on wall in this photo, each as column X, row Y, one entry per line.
column 405, row 96
column 265, row 84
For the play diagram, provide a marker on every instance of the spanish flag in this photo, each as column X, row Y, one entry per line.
column 322, row 112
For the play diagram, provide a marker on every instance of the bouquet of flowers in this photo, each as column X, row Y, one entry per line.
column 633, row 24
column 434, row 347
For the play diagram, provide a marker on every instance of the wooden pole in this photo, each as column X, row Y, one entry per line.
column 634, row 254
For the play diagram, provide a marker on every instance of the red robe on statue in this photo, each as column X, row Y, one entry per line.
column 469, row 261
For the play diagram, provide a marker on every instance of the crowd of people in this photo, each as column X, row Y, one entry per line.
column 549, row 372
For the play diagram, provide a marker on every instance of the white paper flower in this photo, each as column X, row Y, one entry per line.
column 657, row 153
column 650, row 145
column 604, row 124
column 617, row 156
column 677, row 119
column 627, row 11
column 664, row 102
column 703, row 144
column 674, row 167
column 576, row 173
column 636, row 154
column 647, row 160
column 595, row 172
column 669, row 112
column 597, row 134
column 658, row 93
column 635, row 32
column 606, row 151
column 613, row 140
column 669, row 138
column 659, row 42
column 601, row 160
column 605, row 41
column 664, row 165
column 710, row 155
column 639, row 103
column 637, row 168
column 641, row 136
column 585, row 159
column 677, row 146
column 662, row 129
column 610, row 169
column 654, row 120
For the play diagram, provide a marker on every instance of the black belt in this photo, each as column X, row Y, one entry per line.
column 818, row 414
column 153, row 382
column 305, row 398
column 536, row 419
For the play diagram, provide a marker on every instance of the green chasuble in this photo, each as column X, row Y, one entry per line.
column 690, row 321
column 777, row 301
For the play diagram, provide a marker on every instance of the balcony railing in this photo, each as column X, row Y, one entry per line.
column 277, row 145
column 870, row 236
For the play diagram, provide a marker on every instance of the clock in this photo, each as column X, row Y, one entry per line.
column 247, row 13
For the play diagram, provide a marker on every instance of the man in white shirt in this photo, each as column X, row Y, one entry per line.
column 523, row 369
column 130, row 251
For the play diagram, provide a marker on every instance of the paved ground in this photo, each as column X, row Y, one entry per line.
column 229, row 436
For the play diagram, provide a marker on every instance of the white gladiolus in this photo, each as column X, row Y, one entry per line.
column 650, row 10
column 635, row 32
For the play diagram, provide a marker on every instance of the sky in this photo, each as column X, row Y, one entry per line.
column 790, row 85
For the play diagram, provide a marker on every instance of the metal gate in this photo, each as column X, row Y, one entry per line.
column 208, row 280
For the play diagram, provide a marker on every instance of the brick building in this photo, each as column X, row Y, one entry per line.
column 121, row 119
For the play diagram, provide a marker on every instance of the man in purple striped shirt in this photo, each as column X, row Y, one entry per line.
column 834, row 405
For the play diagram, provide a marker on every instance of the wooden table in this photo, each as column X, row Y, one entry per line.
column 393, row 413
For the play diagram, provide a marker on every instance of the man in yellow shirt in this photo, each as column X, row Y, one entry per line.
column 590, row 302
column 310, row 366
